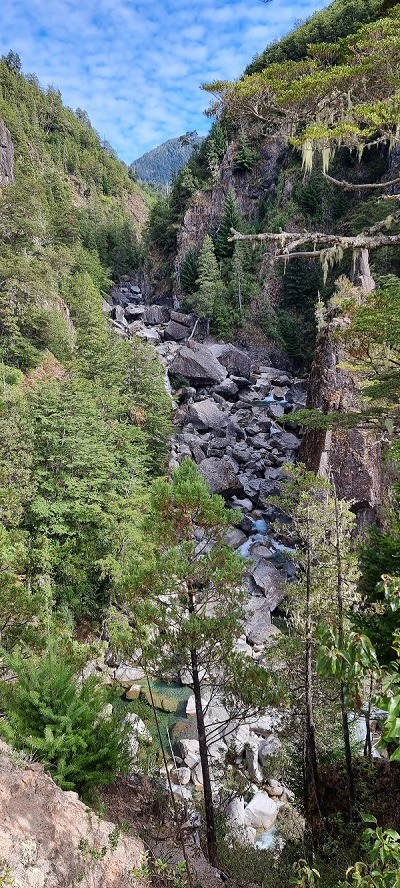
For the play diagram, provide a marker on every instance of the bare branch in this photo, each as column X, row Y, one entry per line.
column 288, row 239
column 350, row 186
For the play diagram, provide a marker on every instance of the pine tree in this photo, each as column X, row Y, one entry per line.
column 189, row 272
column 49, row 714
column 230, row 219
column 210, row 284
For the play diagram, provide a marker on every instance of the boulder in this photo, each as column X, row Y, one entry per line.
column 237, row 362
column 268, row 747
column 268, row 578
column 235, row 812
column 133, row 693
column 259, row 623
column 266, row 724
column 261, row 812
column 283, row 441
column 206, row 415
column 252, row 765
column 128, row 675
column 134, row 312
column 237, row 738
column 228, row 389
column 197, row 777
column 220, row 474
column 187, row 320
column 149, row 334
column 43, row 827
column 156, row 314
column 190, row 752
column 175, row 331
column 180, row 776
column 194, row 361
column 277, row 790
column 235, row 537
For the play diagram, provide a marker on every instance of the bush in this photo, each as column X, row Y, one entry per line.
column 59, row 721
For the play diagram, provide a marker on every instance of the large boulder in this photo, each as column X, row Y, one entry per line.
column 253, row 767
column 196, row 362
column 156, row 314
column 220, row 475
column 258, row 625
column 206, row 415
column 269, row 580
column 261, row 812
column 42, row 829
column 236, row 361
column 175, row 331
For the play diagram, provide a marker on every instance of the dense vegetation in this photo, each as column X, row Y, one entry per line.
column 161, row 164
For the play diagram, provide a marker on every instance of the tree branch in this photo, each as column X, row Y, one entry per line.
column 290, row 238
column 350, row 186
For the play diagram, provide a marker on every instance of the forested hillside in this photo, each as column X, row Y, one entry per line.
column 75, row 456
column 161, row 164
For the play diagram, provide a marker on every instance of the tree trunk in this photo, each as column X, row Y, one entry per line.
column 310, row 726
column 208, row 801
column 339, row 591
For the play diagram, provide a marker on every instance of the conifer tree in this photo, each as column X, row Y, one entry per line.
column 230, row 220
column 210, row 284
column 189, row 272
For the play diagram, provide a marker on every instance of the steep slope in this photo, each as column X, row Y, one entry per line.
column 163, row 162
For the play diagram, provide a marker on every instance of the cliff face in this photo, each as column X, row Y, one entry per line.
column 206, row 207
column 353, row 457
column 42, row 830
column 6, row 156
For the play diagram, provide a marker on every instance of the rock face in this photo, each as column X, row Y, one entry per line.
column 41, row 828
column 353, row 457
column 6, row 156
column 219, row 474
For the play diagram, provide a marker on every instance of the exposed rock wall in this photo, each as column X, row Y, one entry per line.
column 41, row 828
column 353, row 457
column 6, row 156
column 206, row 207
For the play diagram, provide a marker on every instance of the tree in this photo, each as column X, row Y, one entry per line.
column 209, row 282
column 224, row 247
column 189, row 273
column 323, row 588
column 187, row 589
column 61, row 722
column 326, row 93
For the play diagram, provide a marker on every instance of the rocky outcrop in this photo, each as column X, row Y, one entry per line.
column 47, row 835
column 353, row 457
column 206, row 207
column 6, row 156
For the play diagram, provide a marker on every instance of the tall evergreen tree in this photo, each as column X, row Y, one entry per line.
column 210, row 284
column 189, row 272
column 230, row 219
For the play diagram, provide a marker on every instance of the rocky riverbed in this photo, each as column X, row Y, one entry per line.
column 228, row 410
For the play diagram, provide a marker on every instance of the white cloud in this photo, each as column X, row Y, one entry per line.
column 135, row 65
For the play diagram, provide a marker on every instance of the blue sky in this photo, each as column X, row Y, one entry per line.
column 135, row 65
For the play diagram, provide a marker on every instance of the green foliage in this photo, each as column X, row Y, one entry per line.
column 59, row 721
column 189, row 273
column 246, row 156
column 381, row 868
column 326, row 26
column 230, row 219
column 210, row 286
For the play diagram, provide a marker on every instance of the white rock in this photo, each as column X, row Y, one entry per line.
column 237, row 738
column 266, row 724
column 252, row 765
column 138, row 728
column 197, row 777
column 127, row 675
column 267, row 747
column 181, row 776
column 261, row 812
column 235, row 811
column 190, row 752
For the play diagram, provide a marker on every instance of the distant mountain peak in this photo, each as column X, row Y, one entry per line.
column 165, row 161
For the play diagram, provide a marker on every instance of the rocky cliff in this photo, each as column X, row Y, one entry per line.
column 6, row 156
column 352, row 457
column 50, row 839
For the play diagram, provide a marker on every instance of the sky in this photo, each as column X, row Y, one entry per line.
column 136, row 65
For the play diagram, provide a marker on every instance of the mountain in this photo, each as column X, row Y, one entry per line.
column 162, row 163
